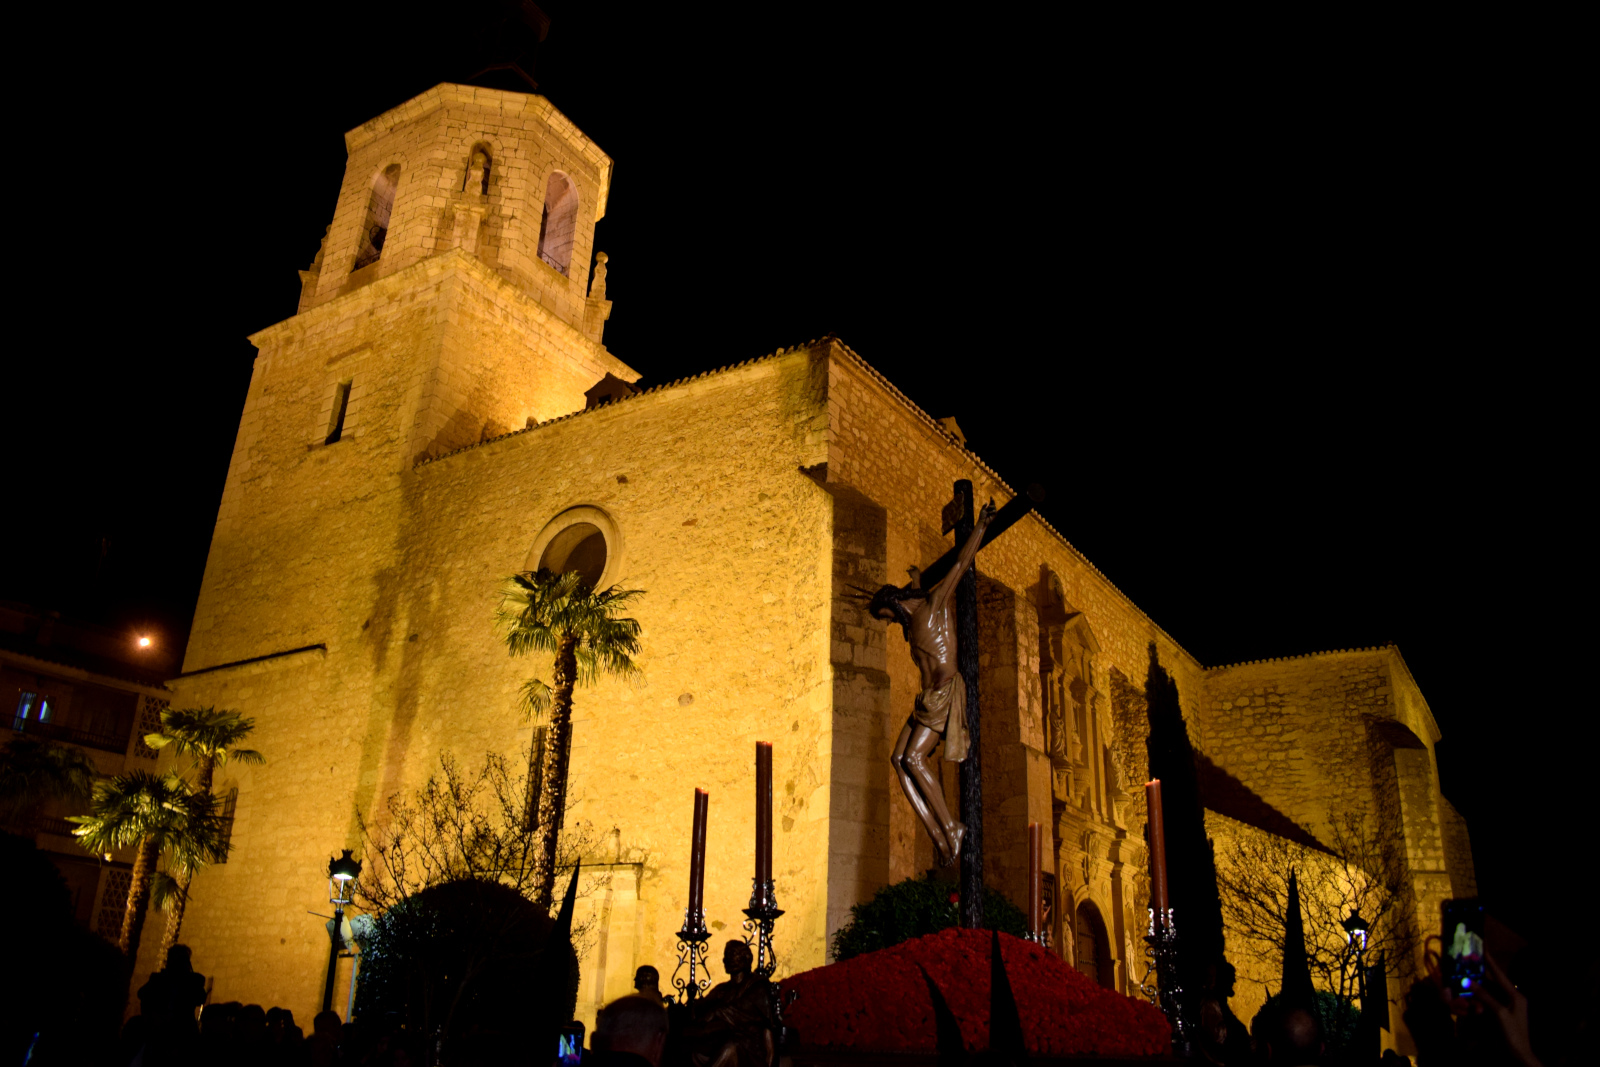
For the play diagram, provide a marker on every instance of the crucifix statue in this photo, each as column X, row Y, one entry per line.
column 927, row 617
column 938, row 611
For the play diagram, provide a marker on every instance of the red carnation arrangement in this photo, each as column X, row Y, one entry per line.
column 880, row 1001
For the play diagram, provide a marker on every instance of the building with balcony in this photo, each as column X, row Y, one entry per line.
column 100, row 691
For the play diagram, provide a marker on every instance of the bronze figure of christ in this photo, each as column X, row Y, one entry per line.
column 928, row 618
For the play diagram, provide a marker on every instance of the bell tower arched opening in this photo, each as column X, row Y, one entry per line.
column 379, row 207
column 558, row 223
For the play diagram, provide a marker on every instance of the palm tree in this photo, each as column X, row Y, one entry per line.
column 212, row 737
column 579, row 626
column 155, row 814
column 32, row 768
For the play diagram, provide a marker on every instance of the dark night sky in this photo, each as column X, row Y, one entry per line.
column 1276, row 312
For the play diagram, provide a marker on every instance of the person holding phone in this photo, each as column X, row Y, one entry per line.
column 631, row 1031
column 1466, row 1000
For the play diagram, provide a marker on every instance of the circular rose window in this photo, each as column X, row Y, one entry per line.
column 580, row 547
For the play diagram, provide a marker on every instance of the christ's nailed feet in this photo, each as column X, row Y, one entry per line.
column 955, row 832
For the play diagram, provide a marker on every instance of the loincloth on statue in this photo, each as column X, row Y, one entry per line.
column 943, row 709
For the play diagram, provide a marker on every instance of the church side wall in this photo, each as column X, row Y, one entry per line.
column 1283, row 728
column 728, row 539
column 1291, row 731
column 883, row 453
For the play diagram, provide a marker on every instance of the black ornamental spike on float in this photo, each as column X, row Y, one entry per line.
column 1006, row 1045
column 1298, row 991
column 552, row 955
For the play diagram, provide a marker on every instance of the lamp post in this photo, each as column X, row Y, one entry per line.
column 1356, row 929
column 342, row 873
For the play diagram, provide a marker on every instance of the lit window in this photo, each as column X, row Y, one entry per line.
column 44, row 710
column 25, row 705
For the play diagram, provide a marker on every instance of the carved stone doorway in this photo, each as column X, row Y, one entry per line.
column 1094, row 947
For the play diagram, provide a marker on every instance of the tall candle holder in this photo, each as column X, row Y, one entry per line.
column 694, row 935
column 1161, row 954
column 760, row 916
column 692, row 954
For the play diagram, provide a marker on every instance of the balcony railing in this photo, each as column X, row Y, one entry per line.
column 71, row 735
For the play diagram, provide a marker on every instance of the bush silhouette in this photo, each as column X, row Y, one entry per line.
column 914, row 908
column 471, row 957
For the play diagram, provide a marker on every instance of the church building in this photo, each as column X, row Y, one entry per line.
column 442, row 411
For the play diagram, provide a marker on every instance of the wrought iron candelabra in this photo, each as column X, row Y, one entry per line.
column 692, row 954
column 762, row 913
column 1161, row 954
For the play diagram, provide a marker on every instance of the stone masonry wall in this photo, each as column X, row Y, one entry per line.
column 398, row 575
column 1458, row 852
column 410, row 345
column 1284, row 728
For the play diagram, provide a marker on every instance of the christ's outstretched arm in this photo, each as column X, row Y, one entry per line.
column 941, row 592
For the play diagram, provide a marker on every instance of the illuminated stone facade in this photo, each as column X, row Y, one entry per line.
column 418, row 431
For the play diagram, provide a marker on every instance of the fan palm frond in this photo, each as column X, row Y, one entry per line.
column 136, row 806
column 535, row 700
column 206, row 734
column 166, row 890
column 33, row 768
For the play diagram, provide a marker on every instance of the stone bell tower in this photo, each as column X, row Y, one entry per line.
column 503, row 176
column 452, row 301
column 502, row 191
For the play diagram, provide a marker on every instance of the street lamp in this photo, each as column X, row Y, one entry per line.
column 1356, row 928
column 342, row 873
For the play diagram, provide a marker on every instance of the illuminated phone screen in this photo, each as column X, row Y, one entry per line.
column 569, row 1047
column 1461, row 946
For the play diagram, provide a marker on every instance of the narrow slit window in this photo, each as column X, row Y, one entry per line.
column 376, row 228
column 341, row 405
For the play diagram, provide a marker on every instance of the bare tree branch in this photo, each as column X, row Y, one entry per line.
column 467, row 824
column 1361, row 872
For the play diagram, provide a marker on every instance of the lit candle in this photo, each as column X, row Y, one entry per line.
column 697, row 856
column 1035, row 881
column 763, row 814
column 1158, row 851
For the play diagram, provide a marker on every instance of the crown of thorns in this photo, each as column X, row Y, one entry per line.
column 910, row 591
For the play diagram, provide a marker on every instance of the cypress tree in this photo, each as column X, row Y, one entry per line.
column 1191, row 866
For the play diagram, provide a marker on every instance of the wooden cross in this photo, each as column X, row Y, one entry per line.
column 958, row 516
